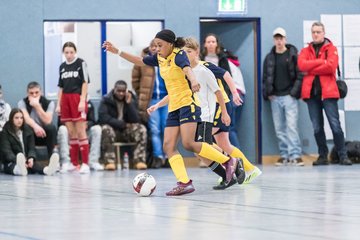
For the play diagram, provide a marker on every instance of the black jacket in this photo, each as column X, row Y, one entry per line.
column 108, row 112
column 11, row 145
column 269, row 73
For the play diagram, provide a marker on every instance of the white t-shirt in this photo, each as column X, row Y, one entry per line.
column 208, row 87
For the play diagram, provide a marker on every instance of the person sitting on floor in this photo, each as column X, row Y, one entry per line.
column 18, row 148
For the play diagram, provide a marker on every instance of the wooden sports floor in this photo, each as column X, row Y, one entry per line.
column 283, row 203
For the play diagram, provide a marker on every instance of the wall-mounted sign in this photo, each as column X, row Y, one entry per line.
column 232, row 6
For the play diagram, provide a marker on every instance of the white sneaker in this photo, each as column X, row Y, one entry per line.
column 67, row 167
column 84, row 169
column 96, row 166
column 20, row 167
column 252, row 175
column 53, row 164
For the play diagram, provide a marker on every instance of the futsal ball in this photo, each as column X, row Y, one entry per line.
column 144, row 184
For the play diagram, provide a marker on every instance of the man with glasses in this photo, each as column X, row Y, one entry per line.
column 319, row 61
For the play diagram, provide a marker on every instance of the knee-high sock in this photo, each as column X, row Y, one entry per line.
column 236, row 153
column 84, row 150
column 207, row 151
column 217, row 147
column 74, row 151
column 178, row 167
column 218, row 169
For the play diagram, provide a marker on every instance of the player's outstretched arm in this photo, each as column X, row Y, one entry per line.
column 109, row 47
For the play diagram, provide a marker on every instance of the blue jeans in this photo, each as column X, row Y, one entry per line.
column 157, row 122
column 285, row 115
column 94, row 135
column 235, row 118
column 330, row 106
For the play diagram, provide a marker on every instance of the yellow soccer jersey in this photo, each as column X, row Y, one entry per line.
column 219, row 74
column 177, row 86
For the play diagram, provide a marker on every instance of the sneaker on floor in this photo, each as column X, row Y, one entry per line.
column 84, row 169
column 321, row 161
column 240, row 172
column 224, row 184
column 181, row 188
column 252, row 175
column 281, row 162
column 298, row 162
column 53, row 164
column 140, row 166
column 20, row 167
column 68, row 167
column 230, row 166
column 96, row 166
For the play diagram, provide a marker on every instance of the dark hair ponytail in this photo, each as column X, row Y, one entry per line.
column 179, row 42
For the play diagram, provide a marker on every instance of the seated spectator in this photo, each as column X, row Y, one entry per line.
column 4, row 110
column 94, row 133
column 150, row 89
column 38, row 114
column 120, row 120
column 18, row 148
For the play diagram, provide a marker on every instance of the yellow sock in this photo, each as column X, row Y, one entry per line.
column 178, row 167
column 207, row 151
column 236, row 153
column 214, row 145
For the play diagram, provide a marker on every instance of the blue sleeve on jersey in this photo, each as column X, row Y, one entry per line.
column 181, row 59
column 217, row 71
column 151, row 60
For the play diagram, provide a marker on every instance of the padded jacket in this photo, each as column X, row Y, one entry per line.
column 11, row 145
column 269, row 73
column 324, row 66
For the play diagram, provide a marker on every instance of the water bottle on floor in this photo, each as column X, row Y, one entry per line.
column 126, row 161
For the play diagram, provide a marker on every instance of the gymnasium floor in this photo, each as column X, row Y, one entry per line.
column 283, row 203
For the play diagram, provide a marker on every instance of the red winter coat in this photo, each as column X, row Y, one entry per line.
column 324, row 66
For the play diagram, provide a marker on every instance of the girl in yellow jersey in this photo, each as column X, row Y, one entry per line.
column 184, row 112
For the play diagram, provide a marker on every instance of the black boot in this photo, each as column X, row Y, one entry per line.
column 321, row 161
column 156, row 163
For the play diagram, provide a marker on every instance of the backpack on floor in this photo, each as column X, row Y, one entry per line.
column 352, row 149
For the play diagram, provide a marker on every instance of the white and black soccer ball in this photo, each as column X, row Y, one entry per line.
column 144, row 184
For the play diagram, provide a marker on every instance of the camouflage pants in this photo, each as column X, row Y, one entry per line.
column 136, row 133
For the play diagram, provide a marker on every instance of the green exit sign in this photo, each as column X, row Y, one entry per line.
column 232, row 6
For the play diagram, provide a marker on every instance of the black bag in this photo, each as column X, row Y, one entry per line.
column 341, row 84
column 352, row 150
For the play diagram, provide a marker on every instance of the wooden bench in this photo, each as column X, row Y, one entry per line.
column 118, row 146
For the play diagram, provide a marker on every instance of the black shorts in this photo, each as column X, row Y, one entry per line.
column 204, row 132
